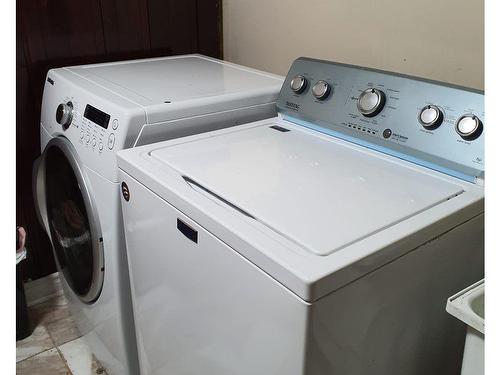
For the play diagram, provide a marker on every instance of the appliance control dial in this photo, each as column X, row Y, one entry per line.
column 64, row 114
column 430, row 117
column 371, row 102
column 298, row 84
column 469, row 127
column 321, row 90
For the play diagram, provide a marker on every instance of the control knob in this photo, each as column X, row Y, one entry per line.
column 371, row 102
column 298, row 84
column 430, row 117
column 321, row 90
column 64, row 114
column 469, row 127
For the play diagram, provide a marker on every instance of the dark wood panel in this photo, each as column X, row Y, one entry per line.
column 209, row 27
column 40, row 262
column 62, row 29
column 173, row 27
column 55, row 33
column 126, row 27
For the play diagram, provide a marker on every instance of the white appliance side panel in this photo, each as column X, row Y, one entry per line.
column 201, row 308
column 107, row 324
column 162, row 131
column 393, row 321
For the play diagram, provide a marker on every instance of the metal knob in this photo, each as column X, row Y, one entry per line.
column 321, row 90
column 371, row 102
column 64, row 114
column 298, row 84
column 430, row 117
column 469, row 127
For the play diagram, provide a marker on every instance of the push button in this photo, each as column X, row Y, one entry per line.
column 114, row 124
column 111, row 141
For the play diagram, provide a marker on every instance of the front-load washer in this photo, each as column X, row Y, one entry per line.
column 322, row 241
column 88, row 114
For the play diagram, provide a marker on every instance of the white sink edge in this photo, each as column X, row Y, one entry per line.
column 459, row 305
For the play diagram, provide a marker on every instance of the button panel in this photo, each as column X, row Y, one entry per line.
column 434, row 123
column 95, row 137
column 111, row 141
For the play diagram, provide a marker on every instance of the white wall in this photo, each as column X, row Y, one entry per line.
column 436, row 39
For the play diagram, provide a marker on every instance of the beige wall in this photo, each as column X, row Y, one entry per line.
column 436, row 39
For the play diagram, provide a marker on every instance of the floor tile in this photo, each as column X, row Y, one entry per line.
column 46, row 363
column 80, row 359
column 38, row 342
column 63, row 330
column 54, row 309
column 42, row 289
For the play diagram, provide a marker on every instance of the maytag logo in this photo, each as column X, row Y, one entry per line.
column 293, row 106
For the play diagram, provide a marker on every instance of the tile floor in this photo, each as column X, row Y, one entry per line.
column 55, row 346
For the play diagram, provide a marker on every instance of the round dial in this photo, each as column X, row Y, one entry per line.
column 469, row 127
column 64, row 114
column 371, row 102
column 321, row 90
column 298, row 84
column 430, row 117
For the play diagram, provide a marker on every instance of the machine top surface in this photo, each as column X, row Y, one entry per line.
column 359, row 168
column 317, row 192
column 178, row 79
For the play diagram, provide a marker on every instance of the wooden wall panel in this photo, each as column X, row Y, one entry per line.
column 209, row 42
column 173, row 26
column 70, row 32
column 125, row 27
column 40, row 261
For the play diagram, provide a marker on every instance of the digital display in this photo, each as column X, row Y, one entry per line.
column 96, row 116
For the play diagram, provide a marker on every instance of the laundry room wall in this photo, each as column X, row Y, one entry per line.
column 71, row 32
column 441, row 40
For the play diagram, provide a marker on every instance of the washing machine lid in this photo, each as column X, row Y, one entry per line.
column 187, row 85
column 317, row 191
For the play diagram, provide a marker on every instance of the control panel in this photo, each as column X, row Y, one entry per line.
column 434, row 124
column 95, row 127
column 97, row 122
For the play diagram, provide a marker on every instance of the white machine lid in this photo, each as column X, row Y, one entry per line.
column 177, row 82
column 319, row 192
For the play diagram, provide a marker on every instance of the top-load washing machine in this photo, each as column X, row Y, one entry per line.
column 322, row 241
column 88, row 114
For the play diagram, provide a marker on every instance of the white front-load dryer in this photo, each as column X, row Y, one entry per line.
column 88, row 114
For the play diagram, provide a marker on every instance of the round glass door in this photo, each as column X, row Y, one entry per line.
column 72, row 221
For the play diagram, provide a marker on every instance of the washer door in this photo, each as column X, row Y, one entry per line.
column 67, row 212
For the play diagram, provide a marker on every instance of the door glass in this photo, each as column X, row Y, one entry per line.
column 68, row 221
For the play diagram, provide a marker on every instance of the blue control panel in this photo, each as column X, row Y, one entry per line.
column 430, row 123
